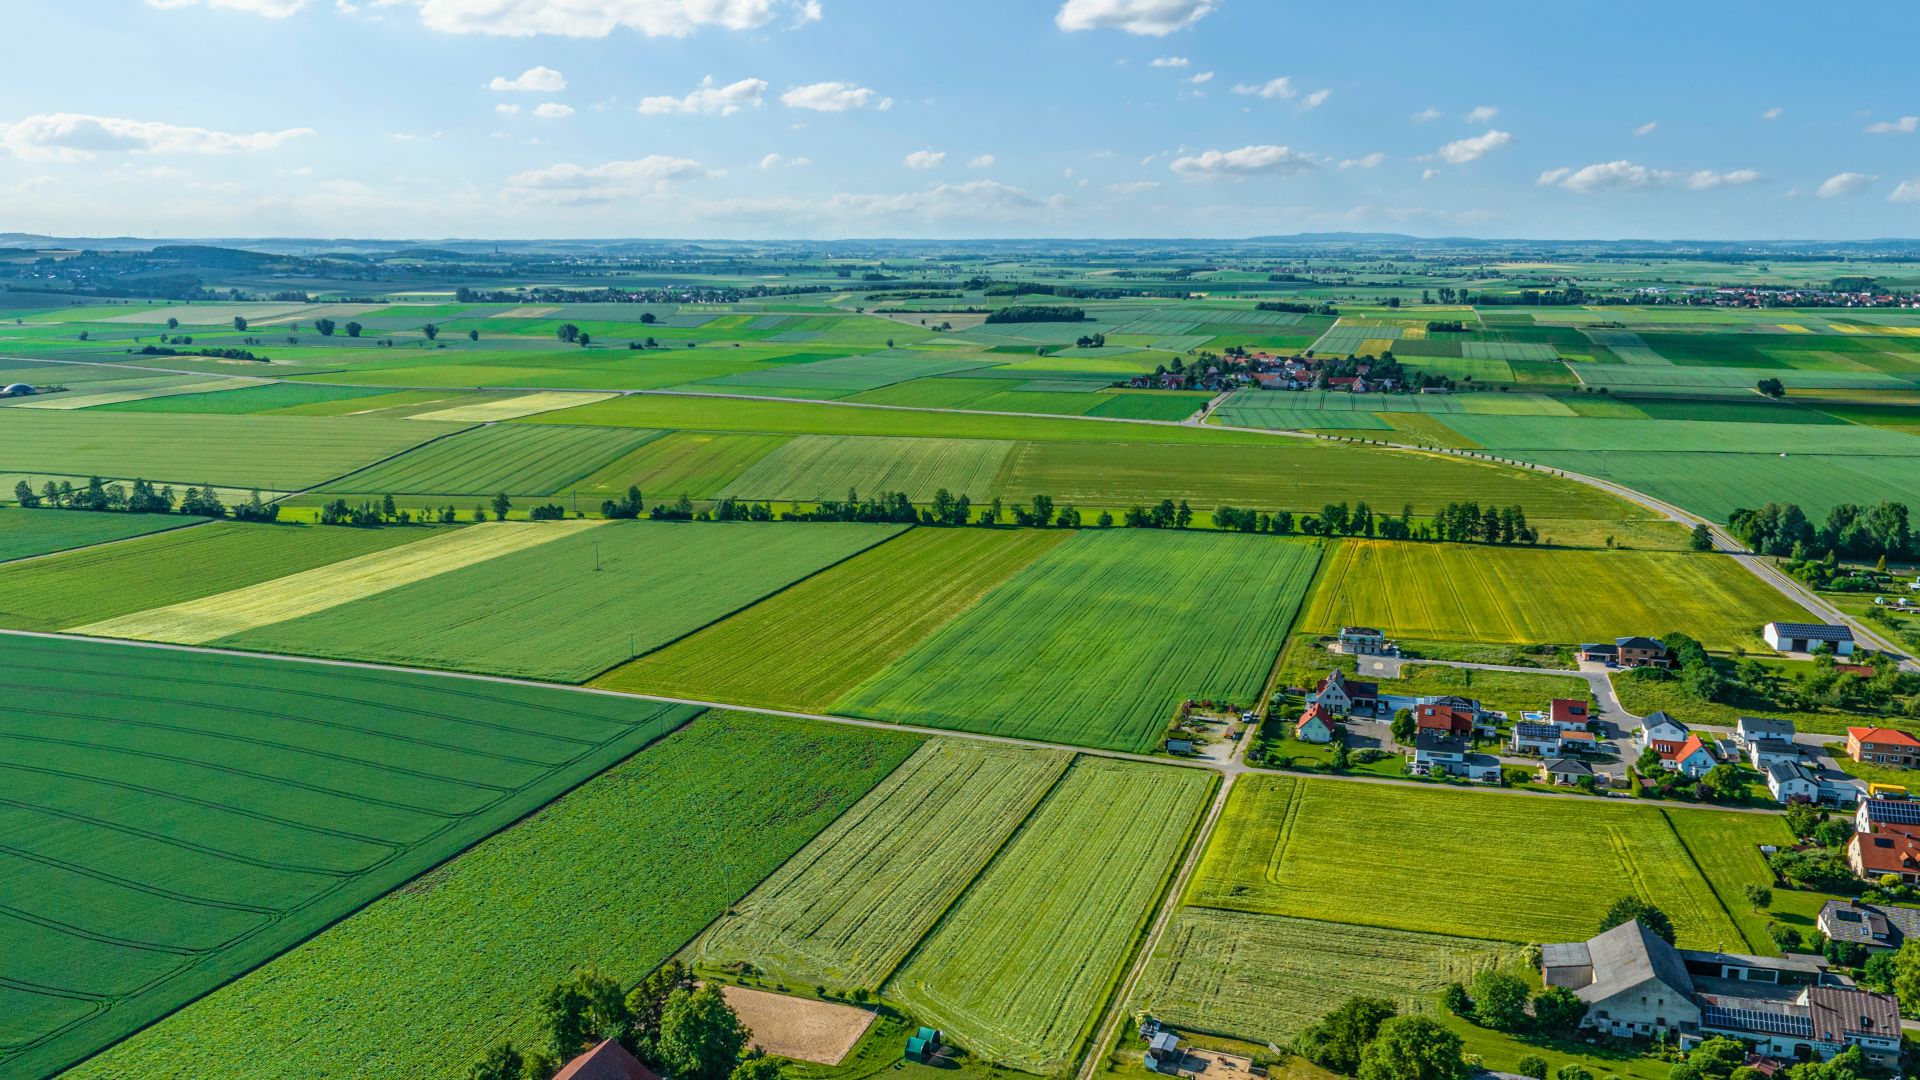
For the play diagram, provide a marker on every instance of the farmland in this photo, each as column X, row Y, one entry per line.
column 522, row 459
column 1284, row 847
column 811, row 646
column 24, row 533
column 214, row 811
column 460, row 959
column 1470, row 593
column 1126, row 625
column 1019, row 967
column 811, row 467
column 847, row 909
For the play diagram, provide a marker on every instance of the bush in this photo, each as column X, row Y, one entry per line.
column 1532, row 1065
column 1454, row 998
column 1499, row 1001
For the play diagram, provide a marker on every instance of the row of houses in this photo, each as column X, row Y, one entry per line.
column 1637, row 651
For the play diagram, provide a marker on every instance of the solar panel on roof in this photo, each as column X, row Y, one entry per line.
column 1772, row 1023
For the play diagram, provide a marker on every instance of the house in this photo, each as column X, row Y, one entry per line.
column 1438, row 754
column 1444, row 719
column 1366, row 641
column 1878, row 928
column 1692, row 758
column 1633, row 982
column 1788, row 780
column 1885, row 809
column 1761, row 729
column 1805, row 637
column 607, row 1061
column 1628, row 652
column 1579, row 742
column 1542, row 739
column 1315, row 725
column 1763, row 752
column 1888, row 849
column 1345, row 696
column 1568, row 714
column 1563, row 771
column 1883, row 746
column 1662, row 732
column 1454, row 712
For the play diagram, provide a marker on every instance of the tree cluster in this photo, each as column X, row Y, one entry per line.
column 217, row 354
column 1500, row 1000
column 1850, row 531
column 1367, row 1038
column 1033, row 313
column 1297, row 308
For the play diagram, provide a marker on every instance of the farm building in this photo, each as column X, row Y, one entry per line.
column 1366, row 641
column 1439, row 754
column 1883, row 746
column 18, row 389
column 1315, row 725
column 607, row 1061
column 1805, row 637
column 1628, row 652
column 1343, row 696
column 1876, row 927
column 1542, row 739
column 1564, row 771
column 1662, row 732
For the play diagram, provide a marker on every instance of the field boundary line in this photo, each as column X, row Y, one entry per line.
column 1694, row 861
column 314, row 489
column 18, row 559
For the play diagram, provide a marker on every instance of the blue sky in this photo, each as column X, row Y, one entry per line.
column 851, row 118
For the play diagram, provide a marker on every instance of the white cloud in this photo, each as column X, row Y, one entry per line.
column 1133, row 187
column 1427, row 115
column 598, row 18
column 1315, row 99
column 1370, row 161
column 1428, row 174
column 1204, row 76
column 831, row 97
column 507, row 110
column 973, row 200
column 272, row 9
column 1153, row 18
column 1168, row 62
column 1707, row 179
column 925, row 159
column 1773, row 113
column 552, row 110
column 1906, row 125
column 774, row 161
column 1624, row 175
column 1281, row 88
column 1247, row 161
column 78, row 137
column 1482, row 114
column 1461, row 151
column 540, row 80
column 982, row 161
column 1846, row 183
column 1646, row 128
column 1908, row 191
column 709, row 98
column 572, row 184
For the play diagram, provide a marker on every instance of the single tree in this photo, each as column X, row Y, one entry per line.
column 757, row 1067
column 353, row 329
column 1716, row 1058
column 1558, row 1010
column 501, row 504
column 1771, row 387
column 173, row 324
column 1532, row 1065
column 431, row 331
column 325, row 326
column 585, row 1009
column 1628, row 908
column 646, row 1003
column 239, row 323
column 1702, row 538
column 700, row 1037
column 1499, row 1001
column 1758, row 896
column 1413, row 1048
column 568, row 332
column 1572, row 1072
column 473, row 335
column 585, row 339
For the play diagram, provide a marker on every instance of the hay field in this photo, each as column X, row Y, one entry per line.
column 512, row 408
column 197, row 622
column 848, row 908
column 809, row 468
column 1018, row 969
column 1481, row 593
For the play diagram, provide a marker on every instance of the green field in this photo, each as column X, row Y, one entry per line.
column 574, row 607
column 446, row 967
column 80, row 587
column 696, row 464
column 1099, row 640
column 252, row 399
column 1479, row 593
column 1019, row 968
column 809, row 468
column 25, row 533
column 808, row 646
column 848, row 908
column 521, row 459
column 173, row 820
column 1315, row 848
column 1714, row 485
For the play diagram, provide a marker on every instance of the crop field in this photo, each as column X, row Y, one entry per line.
column 213, row 811
column 96, row 584
column 810, row 646
column 847, row 909
column 125, row 391
column 1727, row 849
column 570, row 608
column 1124, row 625
column 1018, row 969
column 1263, row 978
column 281, row 453
column 196, row 622
column 814, row 467
column 512, row 408
column 459, row 959
column 1287, row 846
column 521, row 459
column 1514, row 434
column 25, row 533
column 851, row 373
column 259, row 398
column 1475, row 593
column 692, row 463
column 1714, row 485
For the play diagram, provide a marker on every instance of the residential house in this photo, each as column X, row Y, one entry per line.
column 1315, row 725
column 1762, row 729
column 1885, row 809
column 1582, row 742
column 1788, row 780
column 1568, row 714
column 1564, row 771
column 1879, row 928
column 606, row 1061
column 1888, row 849
column 1436, row 754
column 1662, row 732
column 1542, row 739
column 1692, row 758
column 1480, row 720
column 1344, row 696
column 1883, row 746
column 1443, row 719
column 1366, row 641
column 1628, row 652
column 1805, row 637
column 1764, row 752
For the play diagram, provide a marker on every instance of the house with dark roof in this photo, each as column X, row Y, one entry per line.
column 1877, row 927
column 1752, row 730
column 1542, row 739
column 1806, row 637
column 1662, row 732
column 1344, row 696
column 607, row 1061
column 1564, row 770
column 1438, row 754
column 1366, row 641
column 1634, row 983
column 1788, row 780
column 1628, row 652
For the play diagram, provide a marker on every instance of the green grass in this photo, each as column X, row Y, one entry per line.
column 1515, row 434
column 80, row 587
column 1472, row 592
column 1726, row 848
column 1098, row 641
column 1483, row 861
column 809, row 468
column 809, row 646
column 24, row 533
column 173, row 819
column 1510, row 692
column 1714, row 485
column 522, row 459
column 252, row 399
column 692, row 463
column 1018, row 970
column 1643, row 696
column 621, row 873
column 846, row 910
column 275, row 452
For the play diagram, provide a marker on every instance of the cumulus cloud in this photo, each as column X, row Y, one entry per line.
column 831, row 97
column 1906, row 125
column 1646, row 128
column 1624, row 175
column 272, row 9
column 981, row 161
column 1843, row 184
column 925, row 159
column 1267, row 160
column 1152, row 18
column 1773, row 113
column 709, row 97
column 1428, row 174
column 1315, row 99
column 79, row 136
column 598, row 18
column 775, row 161
column 1280, row 88
column 1462, row 151
column 1908, row 191
column 1370, row 161
column 1204, row 76
column 1482, row 114
column 1427, row 115
column 1168, row 62
column 574, row 185
column 1707, row 179
column 542, row 80
column 552, row 110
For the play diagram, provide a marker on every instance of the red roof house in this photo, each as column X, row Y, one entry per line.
column 1692, row 757
column 1888, row 849
column 1443, row 718
column 1568, row 712
column 608, row 1061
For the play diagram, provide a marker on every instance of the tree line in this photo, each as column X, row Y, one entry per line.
column 1297, row 308
column 1031, row 313
column 1850, row 531
column 99, row 496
